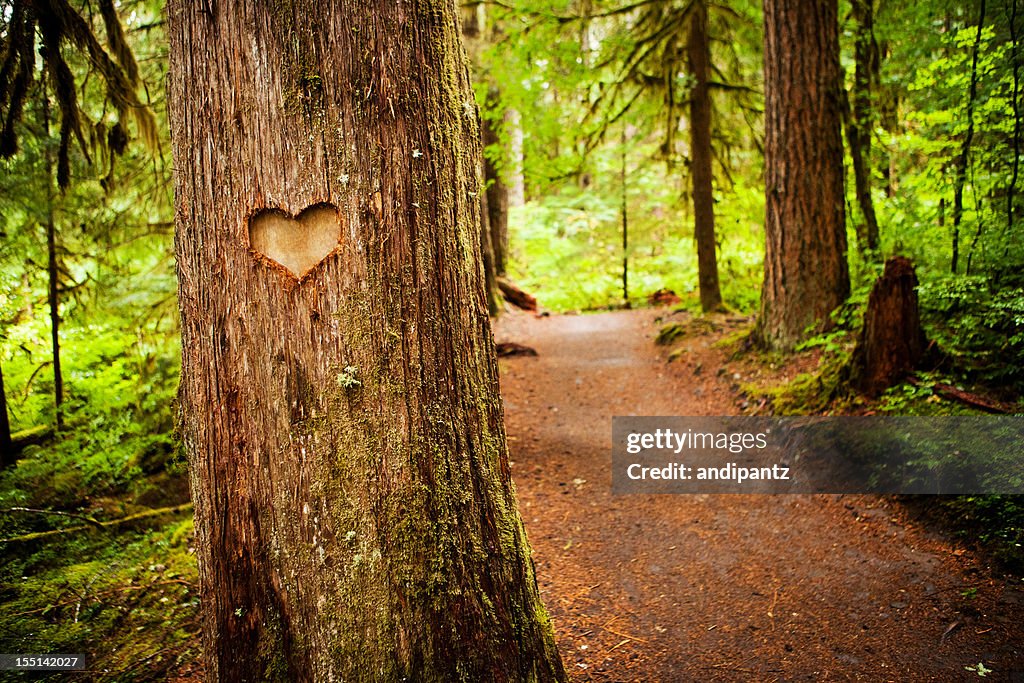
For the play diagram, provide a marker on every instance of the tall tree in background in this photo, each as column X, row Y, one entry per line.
column 806, row 273
column 480, row 30
column 57, row 29
column 497, row 189
column 355, row 516
column 963, row 159
column 473, row 29
column 698, row 50
column 858, row 113
column 663, row 48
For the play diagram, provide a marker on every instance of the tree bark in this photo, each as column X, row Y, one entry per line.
column 698, row 51
column 355, row 517
column 892, row 341
column 806, row 272
column 624, row 217
column 1011, row 188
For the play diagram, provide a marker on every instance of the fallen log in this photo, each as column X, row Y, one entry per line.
column 516, row 296
column 967, row 398
column 506, row 349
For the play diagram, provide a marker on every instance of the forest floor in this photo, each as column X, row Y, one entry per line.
column 724, row 587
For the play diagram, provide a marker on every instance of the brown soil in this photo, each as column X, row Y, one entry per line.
column 726, row 587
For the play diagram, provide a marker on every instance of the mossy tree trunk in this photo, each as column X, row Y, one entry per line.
column 806, row 275
column 355, row 516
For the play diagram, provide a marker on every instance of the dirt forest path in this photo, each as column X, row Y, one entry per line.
column 728, row 587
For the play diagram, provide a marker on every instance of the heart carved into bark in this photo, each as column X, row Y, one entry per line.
column 297, row 243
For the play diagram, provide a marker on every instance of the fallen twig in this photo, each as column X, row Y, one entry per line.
column 85, row 518
column 624, row 635
column 172, row 510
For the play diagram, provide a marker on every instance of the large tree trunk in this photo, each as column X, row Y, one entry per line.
column 699, row 56
column 355, row 517
column 806, row 273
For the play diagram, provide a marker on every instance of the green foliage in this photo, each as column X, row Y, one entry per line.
column 125, row 595
column 995, row 521
column 602, row 91
column 567, row 247
column 129, row 600
column 982, row 323
column 669, row 333
column 118, row 318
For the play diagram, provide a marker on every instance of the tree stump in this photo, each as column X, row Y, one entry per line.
column 892, row 342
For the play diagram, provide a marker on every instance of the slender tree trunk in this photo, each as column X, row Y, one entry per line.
column 53, row 301
column 491, row 288
column 963, row 159
column 355, row 516
column 497, row 196
column 52, row 274
column 6, row 445
column 475, row 32
column 474, row 22
column 625, row 220
column 888, row 102
column 806, row 273
column 1011, row 189
column 699, row 55
column 859, row 119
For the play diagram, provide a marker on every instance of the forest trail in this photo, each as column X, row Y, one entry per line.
column 726, row 587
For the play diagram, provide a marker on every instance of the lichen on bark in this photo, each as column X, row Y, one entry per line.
column 363, row 529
